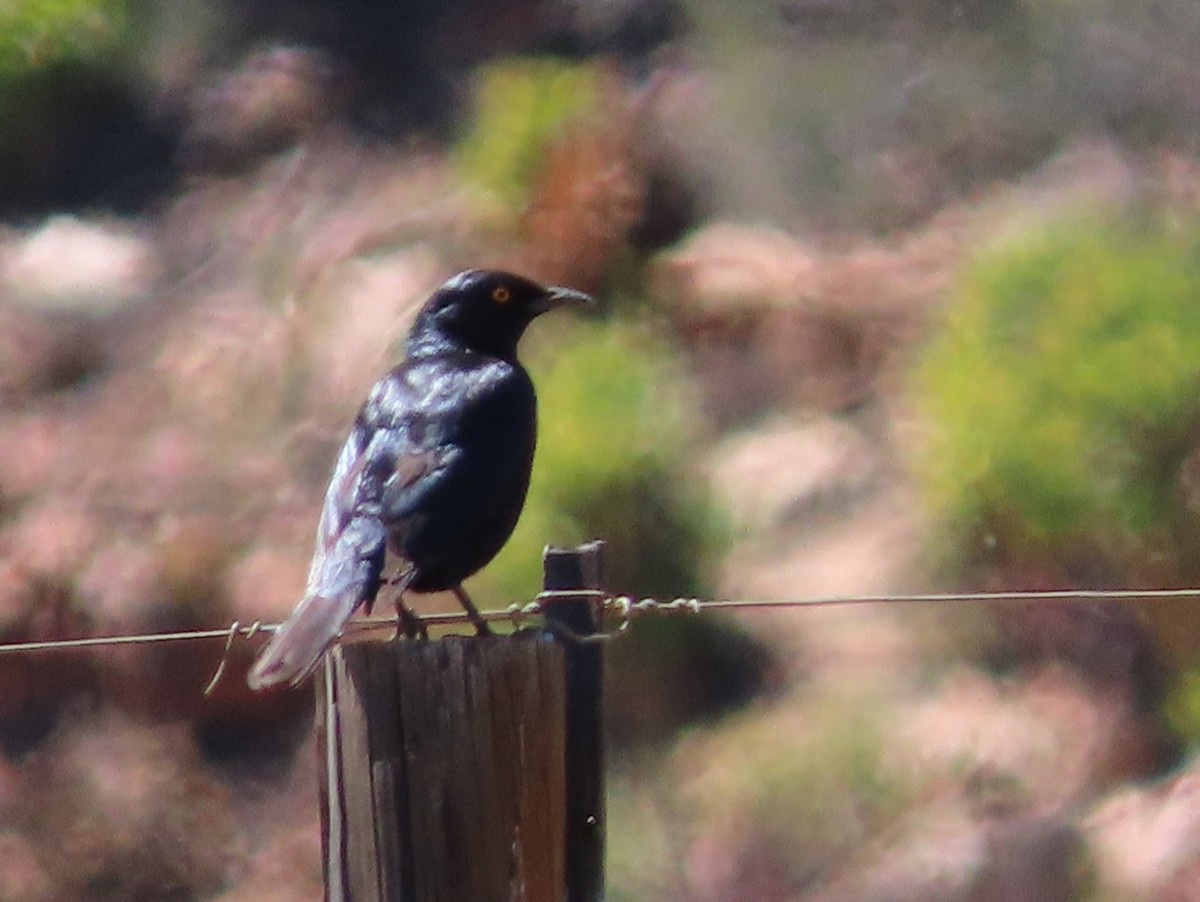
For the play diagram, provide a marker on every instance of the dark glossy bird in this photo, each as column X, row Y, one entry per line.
column 435, row 468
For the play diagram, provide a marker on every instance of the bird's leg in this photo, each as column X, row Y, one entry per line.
column 412, row 624
column 481, row 627
column 408, row 620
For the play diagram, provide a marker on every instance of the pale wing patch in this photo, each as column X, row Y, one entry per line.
column 412, row 467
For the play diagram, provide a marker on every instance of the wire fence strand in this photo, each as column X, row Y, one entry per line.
column 624, row 607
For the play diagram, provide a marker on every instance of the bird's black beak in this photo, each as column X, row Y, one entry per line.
column 556, row 297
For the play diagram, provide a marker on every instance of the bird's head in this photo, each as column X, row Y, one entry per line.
column 487, row 311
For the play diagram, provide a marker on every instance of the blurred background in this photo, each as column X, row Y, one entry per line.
column 897, row 295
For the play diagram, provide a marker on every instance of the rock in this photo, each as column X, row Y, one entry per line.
column 729, row 270
column 274, row 98
column 1146, row 839
column 1051, row 738
column 75, row 265
column 946, row 854
column 788, row 474
column 54, row 539
column 773, row 321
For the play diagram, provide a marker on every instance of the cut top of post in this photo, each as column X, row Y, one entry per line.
column 568, row 570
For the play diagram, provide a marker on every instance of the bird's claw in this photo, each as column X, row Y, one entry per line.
column 477, row 619
column 411, row 623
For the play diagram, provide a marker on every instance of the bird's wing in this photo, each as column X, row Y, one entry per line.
column 424, row 449
column 392, row 452
column 349, row 573
column 384, row 472
column 417, row 473
column 344, row 490
column 347, row 561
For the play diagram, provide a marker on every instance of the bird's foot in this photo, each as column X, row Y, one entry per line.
column 481, row 625
column 410, row 623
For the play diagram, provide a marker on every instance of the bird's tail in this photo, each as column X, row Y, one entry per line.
column 297, row 646
column 343, row 576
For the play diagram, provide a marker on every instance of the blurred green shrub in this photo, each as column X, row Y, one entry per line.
column 63, row 108
column 787, row 793
column 520, row 107
column 1062, row 397
column 39, row 34
column 1182, row 707
column 550, row 152
column 615, row 432
column 769, row 804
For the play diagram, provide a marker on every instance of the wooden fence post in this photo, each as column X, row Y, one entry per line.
column 567, row 569
column 450, row 770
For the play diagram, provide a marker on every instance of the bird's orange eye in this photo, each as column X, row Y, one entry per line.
column 500, row 294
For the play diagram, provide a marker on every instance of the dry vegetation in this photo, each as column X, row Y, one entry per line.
column 778, row 219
